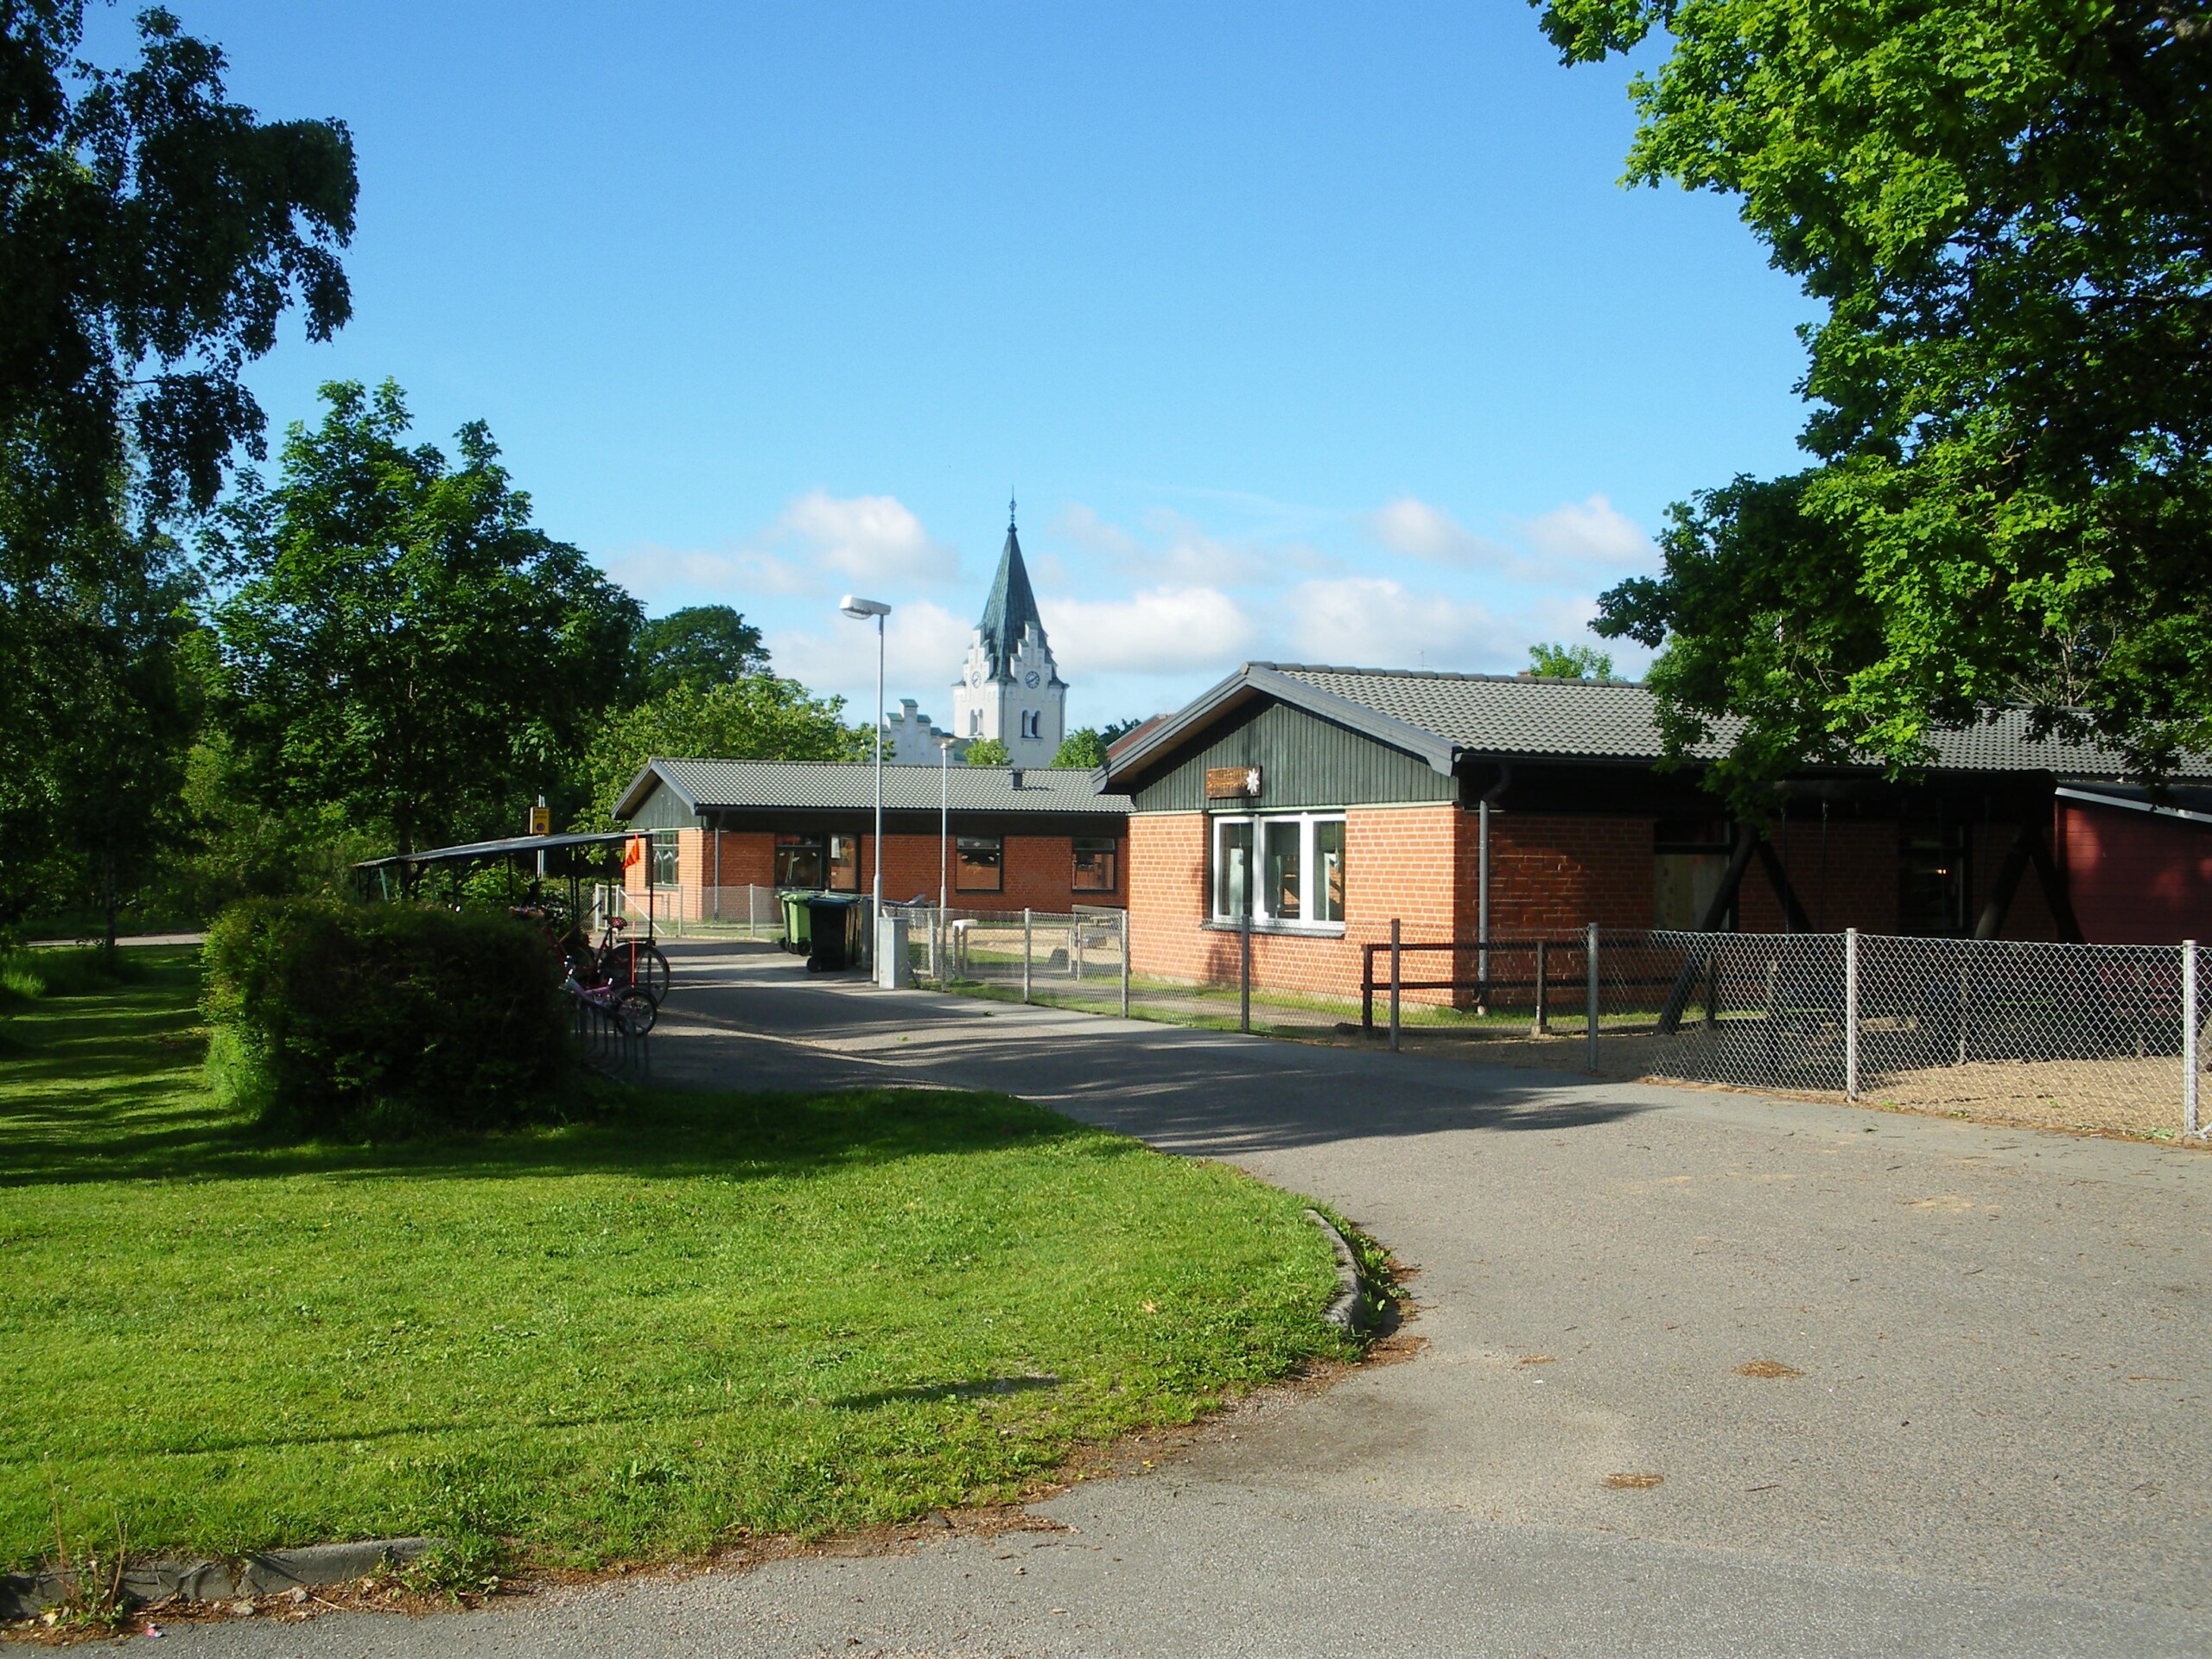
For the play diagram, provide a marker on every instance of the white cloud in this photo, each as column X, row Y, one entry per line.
column 1175, row 552
column 1409, row 524
column 1375, row 622
column 1590, row 533
column 662, row 575
column 1165, row 630
column 869, row 537
column 924, row 645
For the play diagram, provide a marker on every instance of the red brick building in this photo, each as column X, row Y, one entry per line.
column 994, row 837
column 1331, row 801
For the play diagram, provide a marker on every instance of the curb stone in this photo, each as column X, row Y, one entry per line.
column 313, row 1565
column 1349, row 1310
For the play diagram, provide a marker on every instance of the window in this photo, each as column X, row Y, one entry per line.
column 1097, row 862
column 798, row 861
column 1300, row 870
column 1032, row 723
column 978, row 863
column 664, row 864
column 975, row 722
column 845, row 863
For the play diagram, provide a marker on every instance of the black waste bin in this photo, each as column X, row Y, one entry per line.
column 835, row 920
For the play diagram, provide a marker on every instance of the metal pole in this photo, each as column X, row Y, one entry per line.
column 1591, row 1027
column 1125, row 964
column 1244, row 959
column 1481, row 904
column 1025, row 953
column 1394, row 976
column 2191, row 1122
column 944, row 824
column 1543, row 988
column 1851, row 1013
column 876, row 909
column 717, row 835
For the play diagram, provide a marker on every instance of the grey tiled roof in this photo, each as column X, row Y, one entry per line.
column 838, row 785
column 1436, row 713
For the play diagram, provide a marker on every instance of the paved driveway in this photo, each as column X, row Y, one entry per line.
column 1997, row 1442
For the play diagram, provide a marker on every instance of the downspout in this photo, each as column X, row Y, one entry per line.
column 1483, row 805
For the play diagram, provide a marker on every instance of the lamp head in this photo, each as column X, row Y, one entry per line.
column 854, row 606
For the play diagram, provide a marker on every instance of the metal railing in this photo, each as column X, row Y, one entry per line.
column 607, row 1044
column 1077, row 958
column 741, row 910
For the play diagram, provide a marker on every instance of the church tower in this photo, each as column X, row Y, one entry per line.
column 1011, row 689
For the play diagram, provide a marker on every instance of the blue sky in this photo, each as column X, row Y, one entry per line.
column 1307, row 333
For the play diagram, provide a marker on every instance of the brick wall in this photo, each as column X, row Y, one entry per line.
column 1039, row 872
column 1556, row 874
column 1846, row 877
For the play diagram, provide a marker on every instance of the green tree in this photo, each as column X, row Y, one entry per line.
column 701, row 646
column 757, row 717
column 152, row 234
column 1086, row 746
column 2002, row 209
column 1558, row 661
column 403, row 648
column 990, row 752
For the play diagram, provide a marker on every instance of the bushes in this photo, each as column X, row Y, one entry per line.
column 384, row 1020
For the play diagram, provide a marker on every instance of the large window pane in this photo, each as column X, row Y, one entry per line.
column 1232, row 869
column 845, row 863
column 665, row 864
column 798, row 861
column 1329, row 870
column 1096, row 864
column 1279, row 897
column 978, row 863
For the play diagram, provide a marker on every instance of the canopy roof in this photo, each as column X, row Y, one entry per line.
column 469, row 851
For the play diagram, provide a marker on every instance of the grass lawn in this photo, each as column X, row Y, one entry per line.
column 696, row 1317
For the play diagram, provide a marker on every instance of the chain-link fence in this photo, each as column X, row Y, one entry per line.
column 2096, row 1037
column 694, row 911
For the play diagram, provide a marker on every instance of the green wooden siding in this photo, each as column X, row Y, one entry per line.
column 1303, row 760
column 663, row 810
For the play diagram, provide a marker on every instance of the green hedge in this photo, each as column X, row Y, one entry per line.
column 333, row 1018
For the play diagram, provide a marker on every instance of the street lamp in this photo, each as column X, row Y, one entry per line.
column 944, row 818
column 852, row 605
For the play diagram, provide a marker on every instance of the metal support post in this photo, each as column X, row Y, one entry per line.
column 1851, row 1013
column 1125, row 964
column 1025, row 953
column 2191, row 1122
column 1395, row 977
column 1542, row 1026
column 1591, row 1026
column 1482, row 906
column 1244, row 965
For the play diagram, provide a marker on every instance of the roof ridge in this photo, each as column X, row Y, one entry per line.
column 1446, row 674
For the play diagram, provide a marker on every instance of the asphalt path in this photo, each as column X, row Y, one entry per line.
column 1994, row 1437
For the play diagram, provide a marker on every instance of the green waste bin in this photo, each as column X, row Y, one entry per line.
column 797, row 918
column 835, row 927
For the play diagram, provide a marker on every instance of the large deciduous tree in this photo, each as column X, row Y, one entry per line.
column 152, row 234
column 400, row 644
column 701, row 646
column 2005, row 208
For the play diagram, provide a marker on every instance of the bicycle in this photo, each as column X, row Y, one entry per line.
column 633, row 1009
column 638, row 961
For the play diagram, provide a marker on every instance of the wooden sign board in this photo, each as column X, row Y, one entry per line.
column 1232, row 782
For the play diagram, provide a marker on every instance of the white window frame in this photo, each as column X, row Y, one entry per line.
column 1309, row 886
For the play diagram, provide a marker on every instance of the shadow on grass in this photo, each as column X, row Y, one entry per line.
column 925, row 1393
column 109, row 1087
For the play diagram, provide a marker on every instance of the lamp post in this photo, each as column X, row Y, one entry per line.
column 861, row 609
column 943, row 821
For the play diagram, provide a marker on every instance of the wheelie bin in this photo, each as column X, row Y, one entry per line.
column 834, row 926
column 797, row 920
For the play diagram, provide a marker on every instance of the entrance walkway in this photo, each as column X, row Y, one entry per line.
column 1994, row 1439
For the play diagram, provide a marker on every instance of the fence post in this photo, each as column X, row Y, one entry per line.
column 1543, row 989
column 1367, row 987
column 1851, row 1013
column 1025, row 953
column 1394, row 984
column 1125, row 964
column 2191, row 1122
column 1244, row 966
column 1590, row 1038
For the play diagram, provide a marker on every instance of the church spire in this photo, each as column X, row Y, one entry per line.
column 1011, row 606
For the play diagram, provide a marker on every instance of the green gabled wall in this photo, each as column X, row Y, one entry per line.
column 1303, row 760
column 665, row 809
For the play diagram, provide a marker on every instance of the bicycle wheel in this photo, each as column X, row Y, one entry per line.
column 633, row 1010
column 645, row 967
